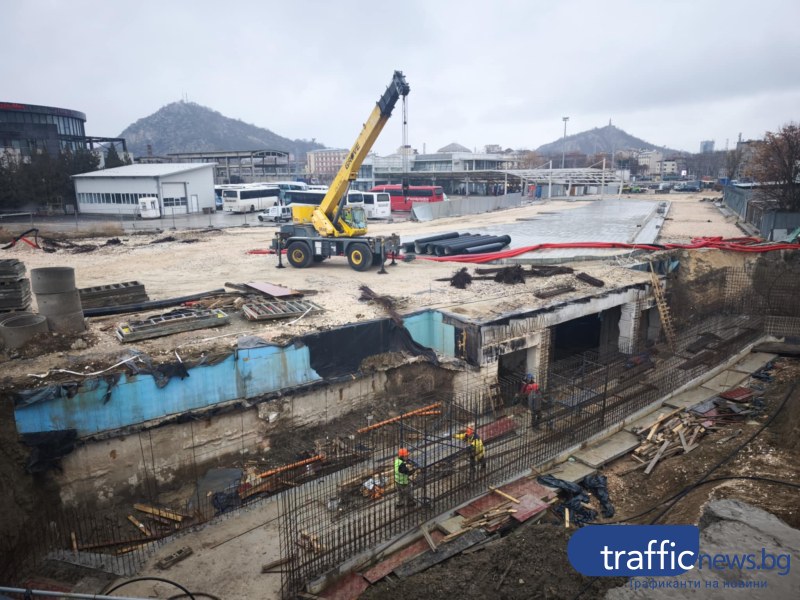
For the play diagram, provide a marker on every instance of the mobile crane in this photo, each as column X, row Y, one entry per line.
column 332, row 228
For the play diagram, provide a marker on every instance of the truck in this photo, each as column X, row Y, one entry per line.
column 334, row 228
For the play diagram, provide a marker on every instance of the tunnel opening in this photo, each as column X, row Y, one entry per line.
column 577, row 336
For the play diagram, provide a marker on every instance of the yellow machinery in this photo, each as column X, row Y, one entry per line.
column 332, row 228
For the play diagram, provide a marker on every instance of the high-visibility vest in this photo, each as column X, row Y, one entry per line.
column 399, row 478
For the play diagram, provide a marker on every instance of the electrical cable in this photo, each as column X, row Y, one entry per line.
column 161, row 579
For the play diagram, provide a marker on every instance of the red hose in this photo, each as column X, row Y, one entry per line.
column 743, row 244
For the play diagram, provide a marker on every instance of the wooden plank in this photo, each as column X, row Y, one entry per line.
column 391, row 562
column 140, row 526
column 529, row 506
column 428, row 538
column 160, row 512
column 504, row 495
column 656, row 458
column 428, row 559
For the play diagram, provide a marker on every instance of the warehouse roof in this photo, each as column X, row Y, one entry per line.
column 146, row 170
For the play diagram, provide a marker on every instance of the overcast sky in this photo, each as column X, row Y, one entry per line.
column 505, row 72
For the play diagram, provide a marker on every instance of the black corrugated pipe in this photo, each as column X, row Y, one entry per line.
column 495, row 247
column 459, row 248
column 436, row 247
column 419, row 245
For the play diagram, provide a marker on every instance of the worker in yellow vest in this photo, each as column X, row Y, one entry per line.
column 477, row 452
column 403, row 469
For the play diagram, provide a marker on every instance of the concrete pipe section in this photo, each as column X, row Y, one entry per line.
column 16, row 330
column 58, row 299
column 52, row 280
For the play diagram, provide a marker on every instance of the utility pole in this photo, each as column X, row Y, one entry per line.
column 564, row 142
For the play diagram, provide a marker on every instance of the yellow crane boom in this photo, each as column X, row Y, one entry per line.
column 328, row 218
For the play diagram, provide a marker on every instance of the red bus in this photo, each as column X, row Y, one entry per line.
column 416, row 193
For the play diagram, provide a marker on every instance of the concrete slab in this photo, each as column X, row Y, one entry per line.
column 753, row 362
column 724, row 381
column 451, row 525
column 609, row 220
column 570, row 471
column 610, row 448
column 646, row 422
column 689, row 398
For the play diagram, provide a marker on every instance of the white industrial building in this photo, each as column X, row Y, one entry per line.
column 181, row 188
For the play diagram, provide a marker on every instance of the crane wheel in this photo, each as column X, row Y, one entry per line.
column 359, row 256
column 299, row 255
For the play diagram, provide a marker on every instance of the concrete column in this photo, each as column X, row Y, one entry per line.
column 653, row 324
column 629, row 322
column 539, row 357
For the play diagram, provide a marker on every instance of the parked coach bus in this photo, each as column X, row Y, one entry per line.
column 416, row 193
column 376, row 205
column 250, row 197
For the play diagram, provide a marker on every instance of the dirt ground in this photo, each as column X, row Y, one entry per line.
column 774, row 453
column 529, row 563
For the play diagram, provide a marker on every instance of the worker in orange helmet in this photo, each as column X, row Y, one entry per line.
column 476, row 450
column 403, row 469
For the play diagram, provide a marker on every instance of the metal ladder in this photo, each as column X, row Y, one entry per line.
column 663, row 309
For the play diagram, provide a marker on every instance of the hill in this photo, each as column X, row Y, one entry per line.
column 600, row 139
column 189, row 127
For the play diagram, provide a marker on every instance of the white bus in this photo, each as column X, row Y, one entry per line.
column 377, row 205
column 250, row 197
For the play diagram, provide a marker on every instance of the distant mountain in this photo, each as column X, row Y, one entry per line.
column 600, row 139
column 189, row 127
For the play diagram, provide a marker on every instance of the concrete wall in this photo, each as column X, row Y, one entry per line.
column 464, row 206
column 160, row 460
column 526, row 332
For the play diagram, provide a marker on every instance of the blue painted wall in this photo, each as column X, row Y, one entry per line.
column 136, row 398
column 428, row 330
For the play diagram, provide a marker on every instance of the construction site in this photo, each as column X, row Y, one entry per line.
column 302, row 410
column 241, row 443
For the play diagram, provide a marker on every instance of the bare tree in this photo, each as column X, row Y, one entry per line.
column 777, row 166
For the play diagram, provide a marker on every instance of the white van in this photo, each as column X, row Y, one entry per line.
column 377, row 205
column 149, row 208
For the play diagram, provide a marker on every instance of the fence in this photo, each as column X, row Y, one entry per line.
column 761, row 213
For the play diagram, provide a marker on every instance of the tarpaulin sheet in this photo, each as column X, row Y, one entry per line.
column 340, row 351
column 48, row 447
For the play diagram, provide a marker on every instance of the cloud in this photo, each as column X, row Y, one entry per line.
column 504, row 72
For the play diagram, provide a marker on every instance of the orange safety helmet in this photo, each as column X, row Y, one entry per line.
column 469, row 431
column 402, row 453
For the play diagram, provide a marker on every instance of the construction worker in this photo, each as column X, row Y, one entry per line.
column 476, row 450
column 531, row 391
column 403, row 469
